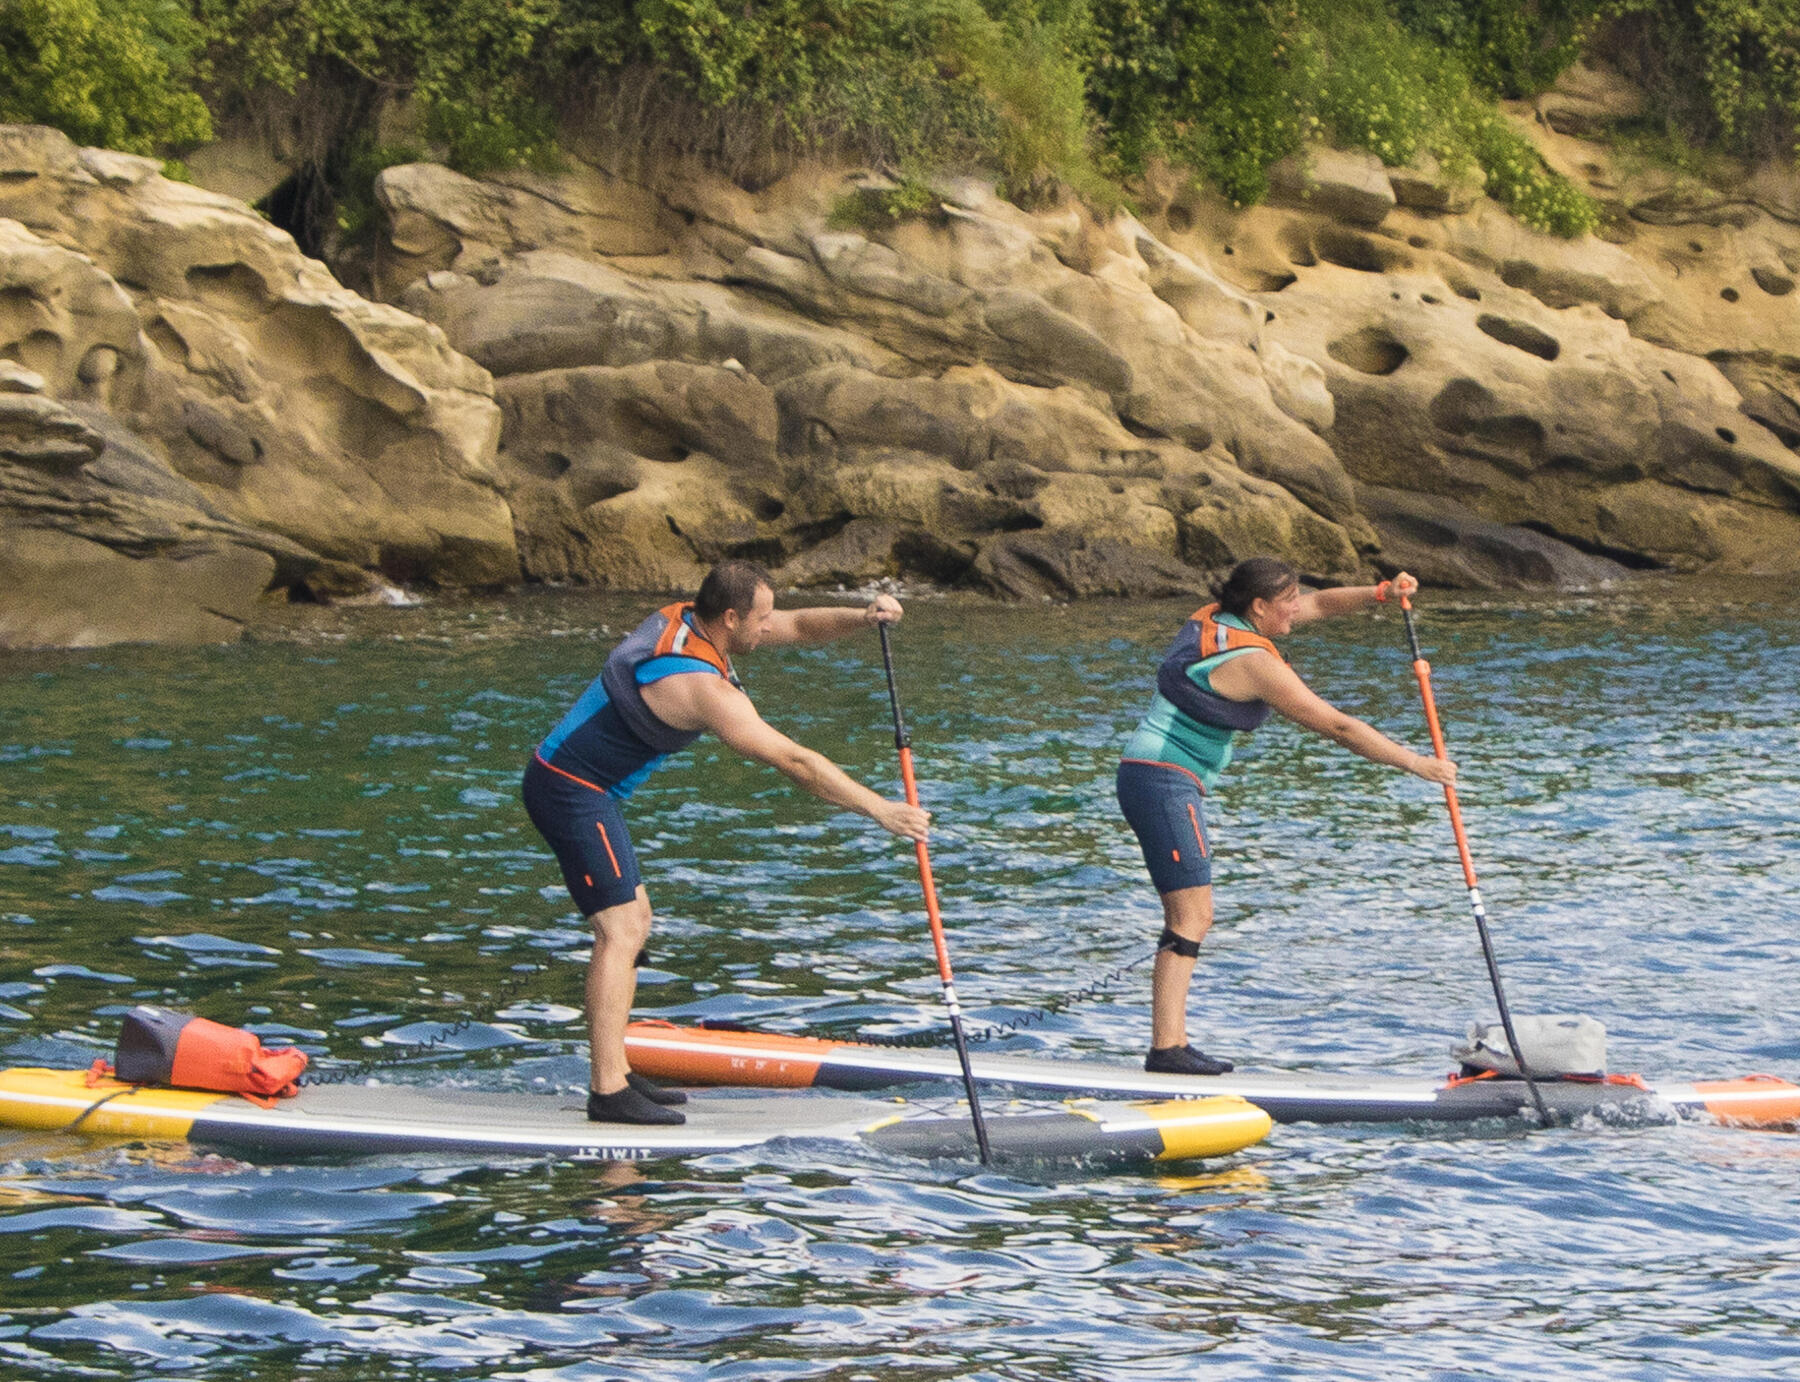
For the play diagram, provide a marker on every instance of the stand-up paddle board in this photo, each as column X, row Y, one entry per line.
column 365, row 1119
column 698, row 1056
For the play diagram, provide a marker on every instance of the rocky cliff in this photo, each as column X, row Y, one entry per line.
column 192, row 413
column 616, row 376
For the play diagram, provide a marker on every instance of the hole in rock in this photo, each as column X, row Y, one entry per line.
column 1369, row 351
column 1774, row 284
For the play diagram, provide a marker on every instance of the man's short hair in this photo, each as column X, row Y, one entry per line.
column 730, row 585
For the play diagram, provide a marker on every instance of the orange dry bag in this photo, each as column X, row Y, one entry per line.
column 157, row 1046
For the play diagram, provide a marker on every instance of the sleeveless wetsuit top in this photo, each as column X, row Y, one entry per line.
column 1189, row 724
column 610, row 738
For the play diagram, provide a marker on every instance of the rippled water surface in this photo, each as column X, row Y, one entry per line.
column 316, row 833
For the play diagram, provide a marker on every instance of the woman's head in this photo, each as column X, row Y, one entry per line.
column 1259, row 578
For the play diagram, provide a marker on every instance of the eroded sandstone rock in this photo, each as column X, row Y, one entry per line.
column 932, row 387
column 273, row 402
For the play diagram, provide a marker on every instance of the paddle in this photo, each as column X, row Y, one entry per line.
column 1422, row 669
column 903, row 742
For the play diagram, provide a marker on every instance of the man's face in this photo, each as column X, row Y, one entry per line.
column 746, row 630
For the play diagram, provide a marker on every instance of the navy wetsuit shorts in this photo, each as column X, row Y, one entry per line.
column 584, row 826
column 1165, row 806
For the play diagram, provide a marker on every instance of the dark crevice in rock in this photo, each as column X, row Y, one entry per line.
column 1519, row 335
column 1142, row 430
column 820, row 530
column 926, row 554
column 1363, row 253
column 764, row 551
column 1637, row 561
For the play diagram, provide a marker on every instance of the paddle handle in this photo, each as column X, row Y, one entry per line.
column 903, row 743
column 926, row 882
column 1422, row 670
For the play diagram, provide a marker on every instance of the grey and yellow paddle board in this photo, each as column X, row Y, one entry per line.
column 364, row 1119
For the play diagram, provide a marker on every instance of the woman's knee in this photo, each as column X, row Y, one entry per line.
column 1188, row 910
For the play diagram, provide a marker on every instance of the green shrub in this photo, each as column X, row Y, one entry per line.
column 1518, row 179
column 1043, row 95
column 1227, row 87
column 1509, row 47
column 107, row 72
column 1720, row 73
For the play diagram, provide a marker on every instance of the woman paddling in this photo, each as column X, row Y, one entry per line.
column 1223, row 676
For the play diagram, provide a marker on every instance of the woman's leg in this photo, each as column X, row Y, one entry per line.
column 1188, row 912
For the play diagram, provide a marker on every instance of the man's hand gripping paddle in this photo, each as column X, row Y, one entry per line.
column 1422, row 669
column 903, row 742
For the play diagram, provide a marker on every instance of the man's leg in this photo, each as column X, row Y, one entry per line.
column 1188, row 912
column 619, row 934
column 615, row 1094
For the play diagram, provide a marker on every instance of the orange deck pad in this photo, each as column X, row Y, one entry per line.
column 687, row 1055
column 1762, row 1101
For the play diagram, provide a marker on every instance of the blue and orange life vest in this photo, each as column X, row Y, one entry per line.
column 611, row 738
column 1190, row 725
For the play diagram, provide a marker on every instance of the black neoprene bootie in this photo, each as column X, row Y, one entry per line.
column 1183, row 1060
column 652, row 1091
column 628, row 1106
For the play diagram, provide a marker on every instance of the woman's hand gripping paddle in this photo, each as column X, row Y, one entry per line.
column 903, row 742
column 1422, row 670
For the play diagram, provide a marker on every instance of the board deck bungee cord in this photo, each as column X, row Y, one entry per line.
column 369, row 1119
column 693, row 1055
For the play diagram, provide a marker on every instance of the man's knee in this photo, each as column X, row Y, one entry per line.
column 627, row 926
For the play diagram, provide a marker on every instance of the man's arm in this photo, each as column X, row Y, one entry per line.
column 822, row 623
column 1323, row 604
column 704, row 701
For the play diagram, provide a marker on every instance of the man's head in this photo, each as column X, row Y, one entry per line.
column 736, row 600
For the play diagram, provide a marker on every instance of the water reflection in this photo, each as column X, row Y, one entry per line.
column 316, row 834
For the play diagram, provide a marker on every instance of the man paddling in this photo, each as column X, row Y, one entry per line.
column 670, row 681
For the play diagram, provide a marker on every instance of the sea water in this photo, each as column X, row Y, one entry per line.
column 317, row 833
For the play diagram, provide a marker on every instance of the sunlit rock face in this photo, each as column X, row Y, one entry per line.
column 622, row 372
column 1378, row 368
column 193, row 415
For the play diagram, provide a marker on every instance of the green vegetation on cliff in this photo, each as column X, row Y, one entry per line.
column 110, row 72
column 1078, row 93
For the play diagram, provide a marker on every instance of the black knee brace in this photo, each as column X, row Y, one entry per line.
column 1181, row 945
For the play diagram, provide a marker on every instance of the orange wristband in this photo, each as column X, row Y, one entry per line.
column 1381, row 592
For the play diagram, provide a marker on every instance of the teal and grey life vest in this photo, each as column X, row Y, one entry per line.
column 1190, row 725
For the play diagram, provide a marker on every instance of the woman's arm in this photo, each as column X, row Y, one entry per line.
column 1323, row 604
column 1272, row 680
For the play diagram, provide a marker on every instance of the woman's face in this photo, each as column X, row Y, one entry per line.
column 1273, row 618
